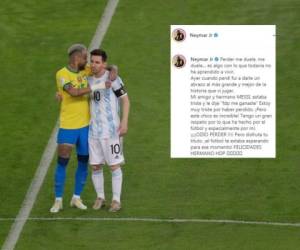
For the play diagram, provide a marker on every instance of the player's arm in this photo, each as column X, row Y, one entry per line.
column 74, row 91
column 64, row 84
column 58, row 96
column 121, row 93
column 125, row 103
column 83, row 91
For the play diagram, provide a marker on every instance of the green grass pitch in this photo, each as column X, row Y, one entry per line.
column 35, row 35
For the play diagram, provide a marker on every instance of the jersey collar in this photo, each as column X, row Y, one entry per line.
column 71, row 70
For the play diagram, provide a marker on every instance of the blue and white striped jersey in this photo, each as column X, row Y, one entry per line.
column 105, row 107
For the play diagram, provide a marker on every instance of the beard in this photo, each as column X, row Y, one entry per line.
column 81, row 66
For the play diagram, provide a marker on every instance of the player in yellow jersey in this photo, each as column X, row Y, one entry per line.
column 74, row 123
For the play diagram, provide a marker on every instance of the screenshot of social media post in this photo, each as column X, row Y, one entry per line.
column 223, row 91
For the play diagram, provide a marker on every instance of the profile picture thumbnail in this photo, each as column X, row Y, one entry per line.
column 179, row 35
column 178, row 61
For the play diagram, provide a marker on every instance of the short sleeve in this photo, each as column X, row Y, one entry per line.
column 61, row 80
column 118, row 83
column 118, row 87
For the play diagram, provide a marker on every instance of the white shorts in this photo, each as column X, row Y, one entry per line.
column 109, row 151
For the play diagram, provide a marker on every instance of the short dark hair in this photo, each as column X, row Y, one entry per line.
column 99, row 52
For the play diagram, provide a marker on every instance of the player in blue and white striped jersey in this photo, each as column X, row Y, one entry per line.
column 107, row 129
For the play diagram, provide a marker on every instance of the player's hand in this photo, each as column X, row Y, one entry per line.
column 58, row 96
column 107, row 84
column 113, row 72
column 123, row 129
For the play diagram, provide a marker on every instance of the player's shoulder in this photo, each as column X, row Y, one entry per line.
column 118, row 87
column 90, row 79
column 87, row 71
column 105, row 76
column 118, row 81
column 62, row 72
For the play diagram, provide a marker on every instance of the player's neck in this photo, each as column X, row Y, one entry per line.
column 73, row 67
column 100, row 73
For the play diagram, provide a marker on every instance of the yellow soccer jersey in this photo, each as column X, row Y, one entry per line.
column 74, row 111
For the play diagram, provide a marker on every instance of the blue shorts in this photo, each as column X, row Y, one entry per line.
column 78, row 137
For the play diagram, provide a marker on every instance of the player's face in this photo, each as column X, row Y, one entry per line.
column 97, row 65
column 82, row 60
